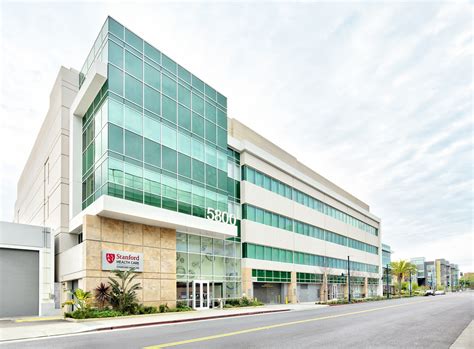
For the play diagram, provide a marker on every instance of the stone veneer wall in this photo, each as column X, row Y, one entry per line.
column 158, row 246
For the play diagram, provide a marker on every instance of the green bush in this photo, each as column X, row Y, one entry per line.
column 93, row 313
column 241, row 302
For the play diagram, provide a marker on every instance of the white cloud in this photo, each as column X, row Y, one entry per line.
column 377, row 98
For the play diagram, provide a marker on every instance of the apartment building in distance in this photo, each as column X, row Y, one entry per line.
column 137, row 164
column 436, row 273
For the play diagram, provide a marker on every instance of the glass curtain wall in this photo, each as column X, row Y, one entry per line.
column 155, row 134
column 205, row 258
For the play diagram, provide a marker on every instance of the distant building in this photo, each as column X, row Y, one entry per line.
column 386, row 260
column 439, row 272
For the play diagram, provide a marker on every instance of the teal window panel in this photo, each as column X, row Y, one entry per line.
column 115, row 54
column 115, row 138
column 184, row 96
column 152, row 153
column 198, row 125
column 169, row 136
column 115, row 80
column 115, row 112
column 197, row 104
column 133, row 145
column 184, row 117
column 133, row 65
column 133, row 40
column 169, row 86
column 115, row 28
column 184, row 143
column 168, row 64
column 198, row 84
column 152, row 77
column 169, row 159
column 184, row 165
column 152, row 129
column 198, row 170
column 211, row 176
column 184, row 74
column 169, row 109
column 133, row 120
column 211, row 131
column 133, row 90
column 210, row 112
column 152, row 100
column 152, row 53
column 197, row 149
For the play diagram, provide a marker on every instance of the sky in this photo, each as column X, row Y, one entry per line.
column 375, row 97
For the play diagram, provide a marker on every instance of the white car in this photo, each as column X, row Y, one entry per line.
column 440, row 292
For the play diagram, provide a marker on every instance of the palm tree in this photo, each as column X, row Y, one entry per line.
column 102, row 294
column 122, row 294
column 401, row 270
column 80, row 299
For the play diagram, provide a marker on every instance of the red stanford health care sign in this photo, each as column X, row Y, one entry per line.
column 121, row 260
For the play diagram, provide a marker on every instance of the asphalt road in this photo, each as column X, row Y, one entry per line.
column 428, row 322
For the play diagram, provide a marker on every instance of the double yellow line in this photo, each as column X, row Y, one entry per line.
column 262, row 328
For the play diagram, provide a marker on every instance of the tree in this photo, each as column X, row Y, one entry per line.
column 401, row 270
column 123, row 294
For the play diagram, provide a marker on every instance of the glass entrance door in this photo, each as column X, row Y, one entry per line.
column 201, row 294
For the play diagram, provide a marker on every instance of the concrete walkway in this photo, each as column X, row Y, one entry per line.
column 465, row 339
column 24, row 328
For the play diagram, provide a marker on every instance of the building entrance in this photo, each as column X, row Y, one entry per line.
column 200, row 294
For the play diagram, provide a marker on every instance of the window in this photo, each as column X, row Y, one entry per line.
column 169, row 159
column 184, row 165
column 115, row 80
column 115, row 112
column 133, row 145
column 133, row 120
column 116, row 138
column 153, row 53
column 152, row 77
column 184, row 117
column 133, row 65
column 168, row 136
column 198, row 125
column 197, row 149
column 169, row 86
column 133, row 40
column 210, row 112
column 169, row 109
column 115, row 54
column 184, row 96
column 133, row 89
column 198, row 104
column 152, row 153
column 184, row 143
column 152, row 129
column 168, row 63
column 210, row 131
column 152, row 100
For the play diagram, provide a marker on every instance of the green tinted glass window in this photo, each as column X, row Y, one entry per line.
column 133, row 65
column 152, row 76
column 169, row 86
column 152, row 53
column 169, row 159
column 211, row 176
column 198, row 125
column 184, row 74
column 221, row 137
column 115, row 54
column 116, row 138
column 169, row 109
column 152, row 153
column 168, row 63
column 133, row 120
column 210, row 131
column 133, row 145
column 184, row 117
column 133, row 40
column 152, row 129
column 184, row 143
column 210, row 112
column 115, row 28
column 133, row 90
column 198, row 170
column 197, row 149
column 198, row 83
column 152, row 100
column 198, row 104
column 115, row 79
column 168, row 136
column 184, row 165
column 221, row 118
column 184, row 96
column 115, row 112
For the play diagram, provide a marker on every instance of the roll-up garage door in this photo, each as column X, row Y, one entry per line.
column 19, row 282
column 308, row 292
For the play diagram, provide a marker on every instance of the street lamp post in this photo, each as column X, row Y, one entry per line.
column 388, row 285
column 410, row 283
column 349, row 277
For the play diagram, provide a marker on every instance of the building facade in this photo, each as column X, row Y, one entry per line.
column 437, row 273
column 149, row 171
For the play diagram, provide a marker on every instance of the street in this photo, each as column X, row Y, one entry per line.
column 421, row 322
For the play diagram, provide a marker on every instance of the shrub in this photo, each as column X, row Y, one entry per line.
column 123, row 294
column 164, row 308
column 93, row 313
column 102, row 295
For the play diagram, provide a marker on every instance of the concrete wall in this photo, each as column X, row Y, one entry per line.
column 42, row 190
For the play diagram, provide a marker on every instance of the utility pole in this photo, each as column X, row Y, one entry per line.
column 388, row 286
column 410, row 283
column 349, row 277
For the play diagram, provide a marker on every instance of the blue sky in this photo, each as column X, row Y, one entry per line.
column 376, row 97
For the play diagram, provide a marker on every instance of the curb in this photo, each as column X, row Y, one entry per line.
column 107, row 328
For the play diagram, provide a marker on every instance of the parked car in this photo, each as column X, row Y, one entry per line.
column 440, row 292
column 429, row 293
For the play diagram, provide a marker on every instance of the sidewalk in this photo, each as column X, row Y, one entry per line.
column 16, row 329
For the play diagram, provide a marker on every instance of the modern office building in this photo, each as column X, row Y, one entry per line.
column 138, row 164
column 387, row 276
column 436, row 273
